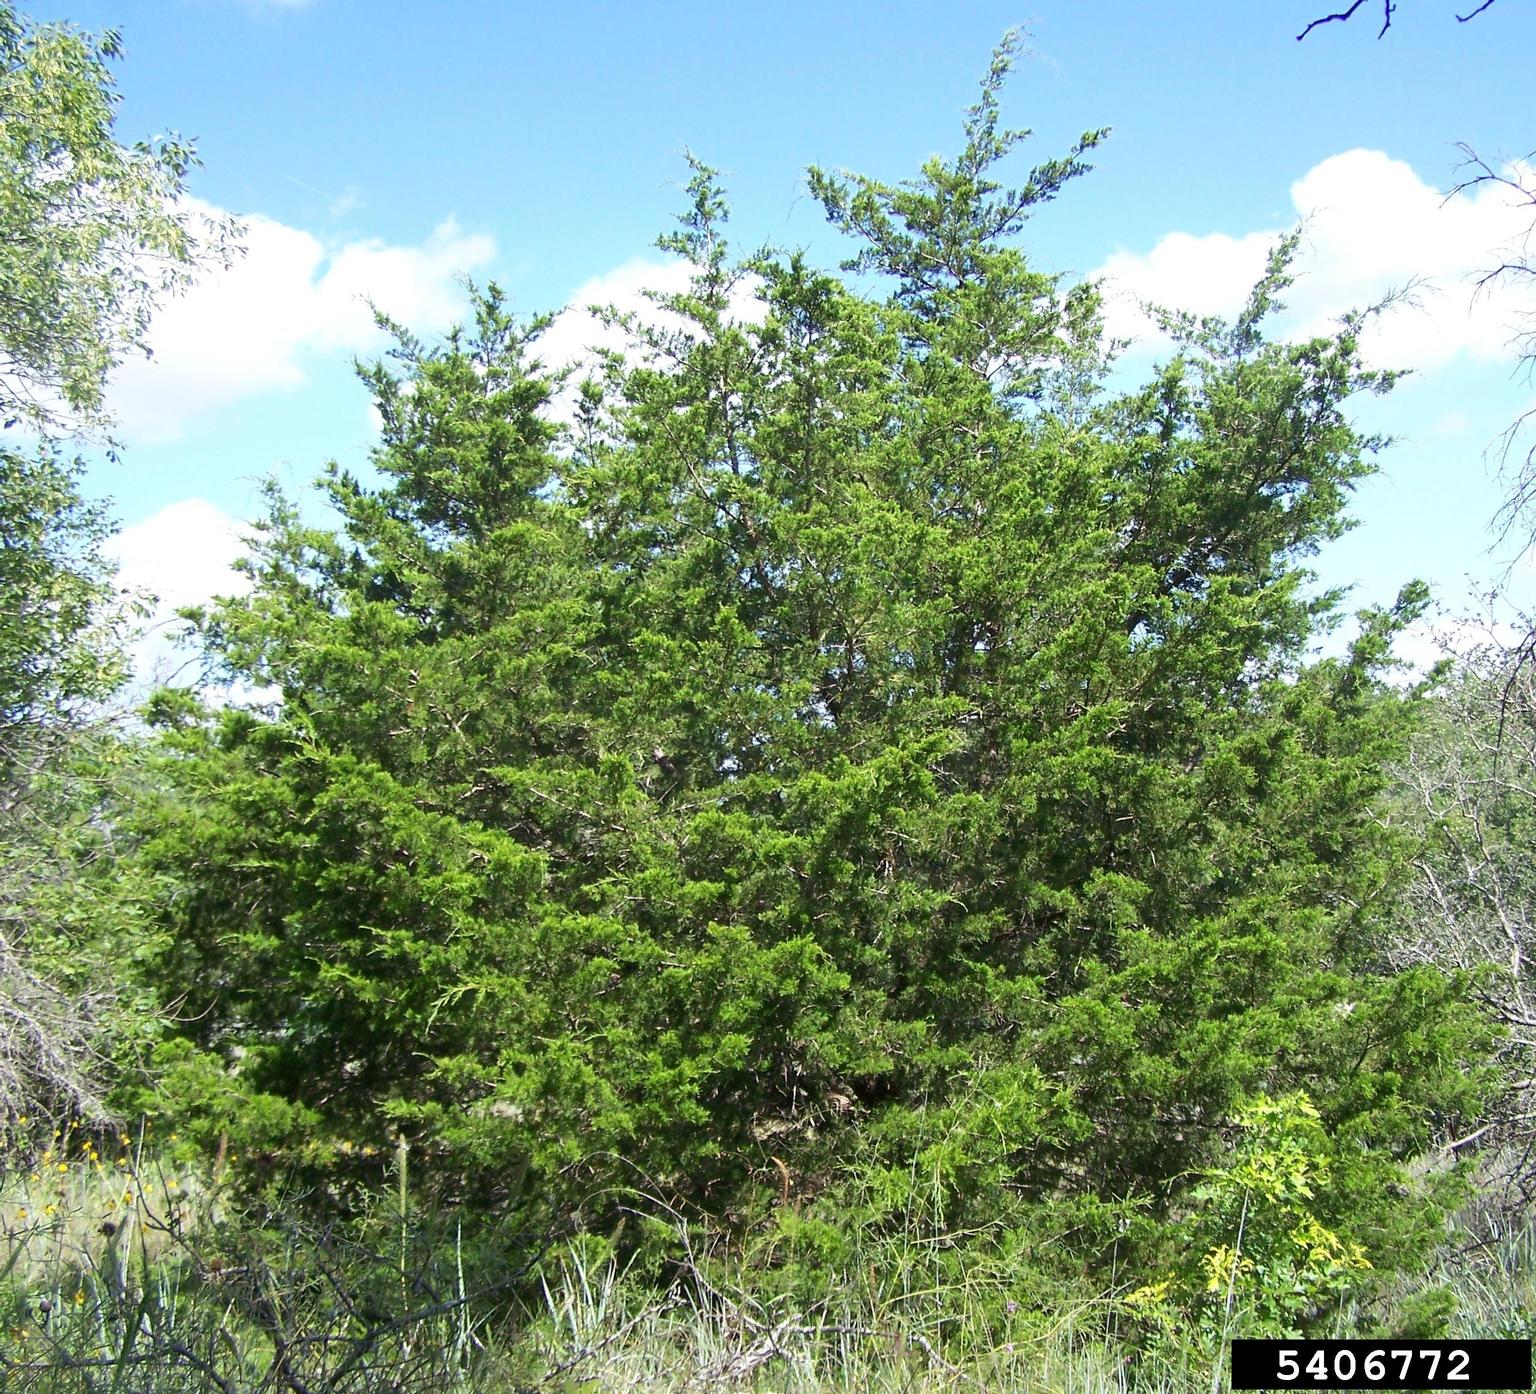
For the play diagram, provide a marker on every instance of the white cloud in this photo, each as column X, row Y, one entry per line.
column 1371, row 226
column 183, row 555
column 1204, row 275
column 248, row 329
column 578, row 336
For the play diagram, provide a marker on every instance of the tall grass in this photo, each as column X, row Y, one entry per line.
column 120, row 1275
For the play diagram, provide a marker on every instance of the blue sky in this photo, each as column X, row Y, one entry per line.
column 382, row 148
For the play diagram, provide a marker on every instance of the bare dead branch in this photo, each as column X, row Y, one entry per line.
column 1387, row 7
column 1516, row 466
column 1467, row 1141
column 1484, row 173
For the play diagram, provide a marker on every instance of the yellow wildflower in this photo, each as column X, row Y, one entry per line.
column 1152, row 1295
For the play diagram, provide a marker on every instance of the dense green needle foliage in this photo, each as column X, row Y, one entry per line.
column 869, row 757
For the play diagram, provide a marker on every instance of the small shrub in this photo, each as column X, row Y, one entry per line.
column 1260, row 1259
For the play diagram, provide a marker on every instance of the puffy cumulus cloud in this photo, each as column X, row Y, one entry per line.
column 183, row 555
column 579, row 336
column 1371, row 226
column 1204, row 275
column 248, row 328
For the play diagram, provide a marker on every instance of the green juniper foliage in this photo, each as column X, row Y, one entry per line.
column 867, row 759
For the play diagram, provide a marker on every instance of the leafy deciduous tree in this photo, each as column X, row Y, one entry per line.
column 91, row 236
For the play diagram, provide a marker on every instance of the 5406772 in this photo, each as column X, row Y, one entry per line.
column 1381, row 1364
